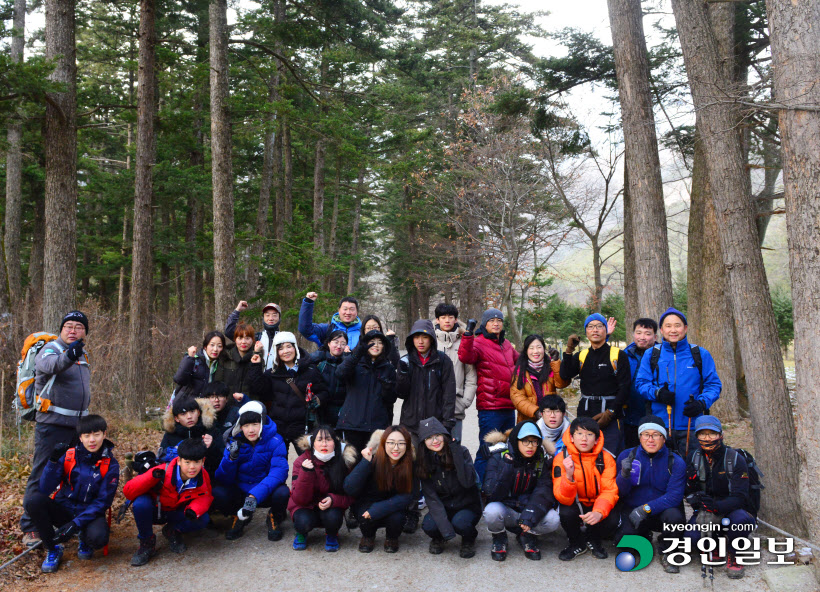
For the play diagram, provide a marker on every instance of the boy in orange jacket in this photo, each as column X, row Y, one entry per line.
column 584, row 485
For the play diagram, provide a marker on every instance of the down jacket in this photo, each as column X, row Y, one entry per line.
column 194, row 373
column 310, row 486
column 370, row 390
column 234, row 369
column 494, row 360
column 449, row 342
column 526, row 400
column 591, row 487
column 318, row 332
column 197, row 498
column 657, row 487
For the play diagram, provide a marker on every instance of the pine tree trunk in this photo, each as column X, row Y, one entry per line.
column 319, row 170
column 60, row 139
column 748, row 287
column 36, row 264
column 354, row 239
column 122, row 291
column 795, row 38
column 287, row 191
column 222, row 170
column 652, row 270
column 630, row 283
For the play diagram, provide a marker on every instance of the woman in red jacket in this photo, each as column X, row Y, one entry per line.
column 317, row 486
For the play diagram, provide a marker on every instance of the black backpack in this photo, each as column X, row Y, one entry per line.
column 729, row 465
column 695, row 351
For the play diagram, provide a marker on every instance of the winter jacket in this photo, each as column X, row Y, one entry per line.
column 636, row 407
column 523, row 484
column 327, row 365
column 526, row 399
column 370, row 391
column 656, row 488
column 71, row 388
column 266, row 337
column 494, row 360
column 599, row 379
column 317, row 332
column 591, row 487
column 175, row 433
column 233, row 369
column 717, row 483
column 428, row 390
column 677, row 369
column 288, row 409
column 85, row 492
column 226, row 417
column 553, row 442
column 310, row 486
column 261, row 467
column 194, row 373
column 173, row 494
column 449, row 342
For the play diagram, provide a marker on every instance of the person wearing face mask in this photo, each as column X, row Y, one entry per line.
column 232, row 369
column 327, row 359
column 271, row 316
column 198, row 368
column 536, row 375
column 643, row 340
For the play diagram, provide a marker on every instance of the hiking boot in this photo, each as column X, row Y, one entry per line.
column 299, row 542
column 411, row 522
column 597, row 549
column 331, row 543
column 175, row 542
column 84, row 550
column 529, row 542
column 391, row 545
column 52, row 560
column 733, row 569
column 30, row 539
column 236, row 530
column 275, row 527
column 667, row 567
column 366, row 544
column 148, row 548
column 499, row 549
column 351, row 520
column 436, row 546
column 571, row 552
column 467, row 548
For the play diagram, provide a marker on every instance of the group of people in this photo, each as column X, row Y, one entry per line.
column 640, row 443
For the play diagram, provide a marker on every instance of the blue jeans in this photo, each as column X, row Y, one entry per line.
column 489, row 420
column 146, row 514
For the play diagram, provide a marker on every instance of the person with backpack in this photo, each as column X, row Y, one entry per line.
column 679, row 379
column 537, row 375
column 327, row 359
column 271, row 315
column 345, row 319
column 643, row 339
column 85, row 477
column 61, row 396
column 651, row 480
column 448, row 336
column 724, row 484
column 197, row 368
column 605, row 380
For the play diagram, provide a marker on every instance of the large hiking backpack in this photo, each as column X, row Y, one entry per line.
column 729, row 465
column 27, row 400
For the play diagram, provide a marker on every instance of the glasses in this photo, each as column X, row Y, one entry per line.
column 434, row 438
column 390, row 444
column 595, row 326
column 552, row 412
column 217, row 396
column 530, row 443
column 653, row 436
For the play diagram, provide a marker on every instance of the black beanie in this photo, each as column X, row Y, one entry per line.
column 184, row 404
column 75, row 315
column 250, row 417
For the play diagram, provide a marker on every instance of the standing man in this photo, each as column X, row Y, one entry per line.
column 679, row 379
column 271, row 316
column 448, row 335
column 63, row 383
column 346, row 319
column 643, row 338
column 605, row 380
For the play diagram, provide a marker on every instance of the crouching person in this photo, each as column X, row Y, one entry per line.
column 253, row 472
column 448, row 483
column 177, row 494
column 518, row 486
column 191, row 418
column 584, row 485
column 318, row 498
column 85, row 477
column 651, row 480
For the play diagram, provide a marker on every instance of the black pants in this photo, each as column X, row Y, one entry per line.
column 392, row 523
column 571, row 523
column 463, row 521
column 305, row 520
column 650, row 524
column 356, row 439
column 46, row 437
column 46, row 513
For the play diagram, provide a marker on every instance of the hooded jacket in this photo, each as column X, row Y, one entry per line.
column 71, row 388
column 196, row 497
column 175, row 433
column 494, row 359
column 656, row 488
column 449, row 342
column 310, row 486
column 194, row 373
column 266, row 337
column 233, row 369
column 327, row 365
column 525, row 399
column 370, row 388
column 428, row 390
column 317, row 332
column 85, row 492
column 636, row 407
column 591, row 487
column 260, row 467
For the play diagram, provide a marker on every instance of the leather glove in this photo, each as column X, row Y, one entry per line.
column 604, row 419
column 693, row 408
column 158, row 474
column 471, row 324
column 572, row 342
column 65, row 532
column 75, row 350
column 247, row 510
column 233, row 450
column 638, row 515
column 190, row 514
column 554, row 355
column 59, row 450
column 664, row 395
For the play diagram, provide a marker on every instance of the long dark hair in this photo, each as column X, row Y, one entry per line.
column 522, row 364
column 400, row 476
column 426, row 459
column 373, row 318
column 335, row 469
column 210, row 336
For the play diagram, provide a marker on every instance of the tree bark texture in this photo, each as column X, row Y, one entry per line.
column 287, row 190
column 60, row 140
column 630, row 284
column 751, row 302
column 354, row 239
column 652, row 270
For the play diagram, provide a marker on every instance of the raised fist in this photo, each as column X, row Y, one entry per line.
column 243, row 305
column 312, row 296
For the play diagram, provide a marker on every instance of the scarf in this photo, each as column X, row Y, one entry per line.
column 554, row 434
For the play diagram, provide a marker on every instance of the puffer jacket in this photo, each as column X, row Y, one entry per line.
column 449, row 342
column 175, row 433
column 494, row 360
column 194, row 373
column 336, row 388
column 261, row 467
column 526, row 400
column 71, row 388
column 85, row 492
column 370, row 391
column 197, row 496
column 233, row 369
column 657, row 487
column 310, row 486
column 317, row 332
column 591, row 487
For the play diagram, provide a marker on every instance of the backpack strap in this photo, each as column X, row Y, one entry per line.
column 729, row 464
column 68, row 463
column 695, row 351
column 700, row 467
column 654, row 357
column 599, row 462
column 581, row 357
column 614, row 352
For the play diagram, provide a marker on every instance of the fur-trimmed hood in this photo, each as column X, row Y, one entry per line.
column 349, row 453
column 499, row 440
column 206, row 414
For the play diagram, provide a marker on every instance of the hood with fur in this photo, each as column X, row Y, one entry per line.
column 500, row 440
column 206, row 414
column 349, row 453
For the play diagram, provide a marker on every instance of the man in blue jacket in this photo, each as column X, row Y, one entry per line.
column 679, row 379
column 346, row 319
column 643, row 339
column 651, row 480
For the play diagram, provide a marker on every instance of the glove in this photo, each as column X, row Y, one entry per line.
column 404, row 367
column 65, row 532
column 694, row 500
column 707, row 502
column 664, row 395
column 626, row 468
column 471, row 326
column 190, row 514
column 247, row 510
column 604, row 419
column 572, row 342
column 233, row 450
column 59, row 451
column 314, row 403
column 158, row 474
column 638, row 515
column 693, row 408
column 75, row 350
column 554, row 355
column 507, row 458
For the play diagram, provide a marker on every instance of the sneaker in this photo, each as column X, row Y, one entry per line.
column 53, row 558
column 597, row 549
column 84, row 550
column 30, row 539
column 351, row 520
column 499, row 549
column 275, row 527
column 529, row 542
column 421, row 504
column 667, row 567
column 391, row 545
column 411, row 522
column 148, row 548
column 175, row 542
column 236, row 530
column 733, row 569
column 467, row 548
column 331, row 543
column 366, row 544
column 571, row 552
column 299, row 542
column 436, row 546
